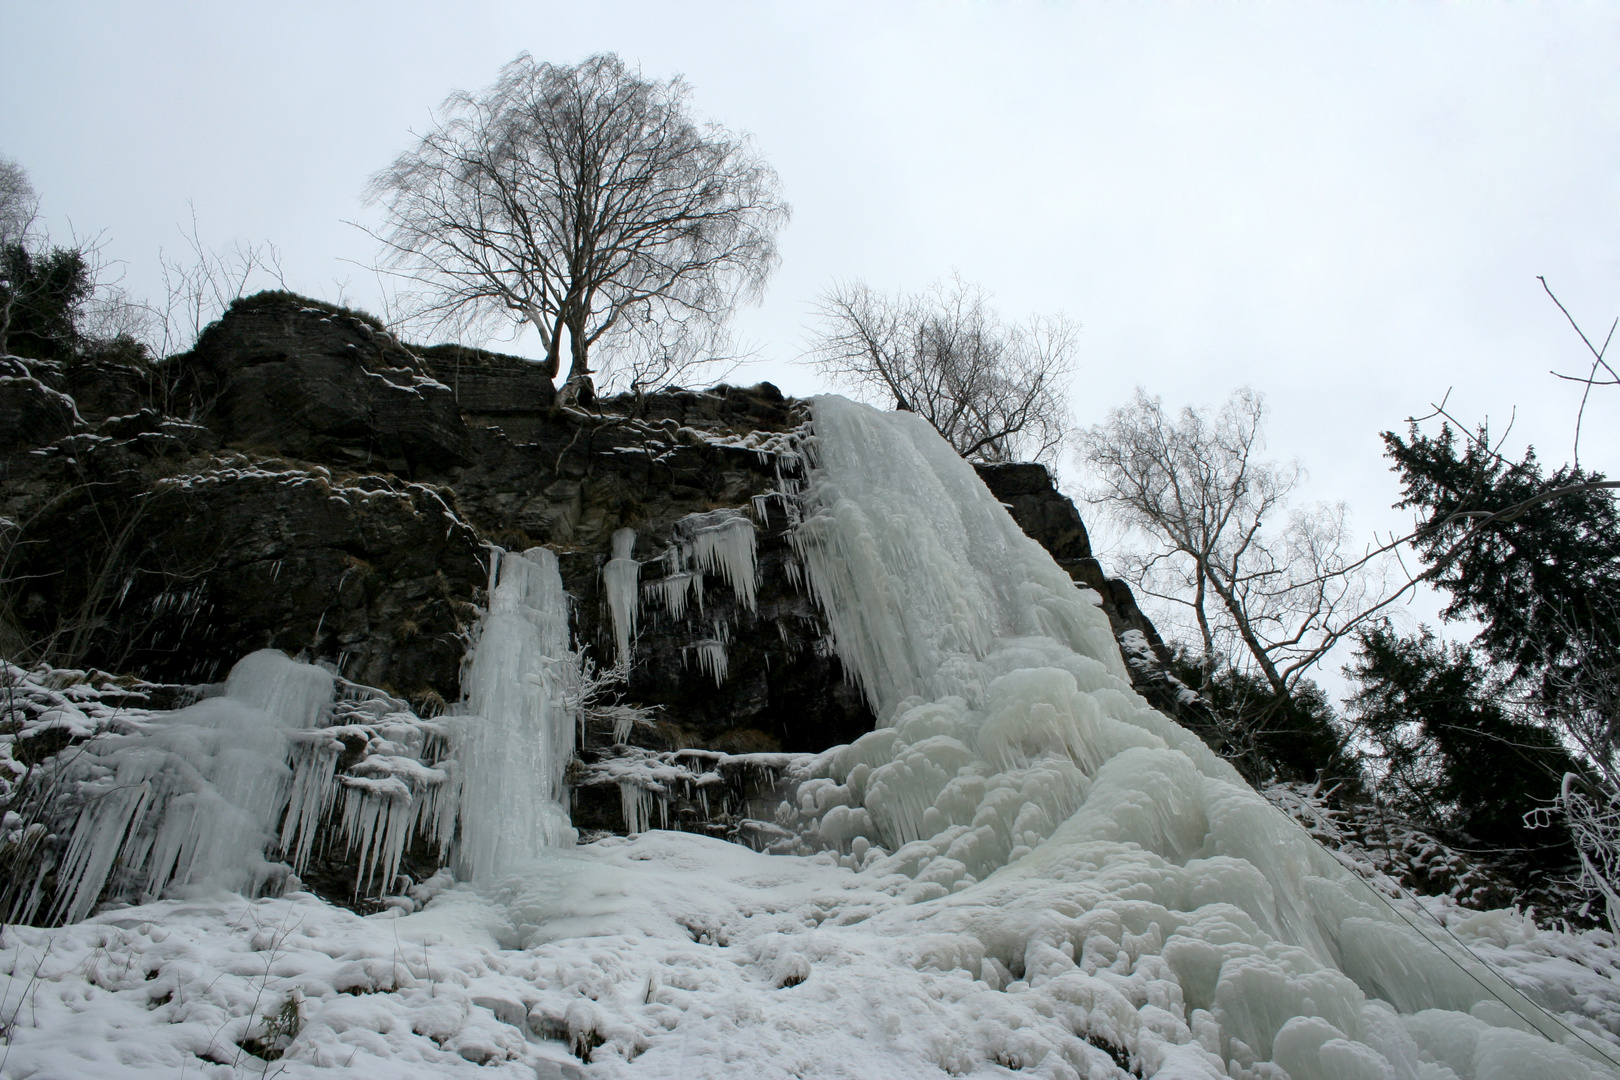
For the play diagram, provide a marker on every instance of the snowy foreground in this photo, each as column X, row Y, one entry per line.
column 1024, row 869
column 690, row 957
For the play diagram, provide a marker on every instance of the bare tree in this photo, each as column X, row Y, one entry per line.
column 582, row 200
column 19, row 205
column 1602, row 372
column 1269, row 600
column 992, row 389
column 198, row 286
column 654, row 354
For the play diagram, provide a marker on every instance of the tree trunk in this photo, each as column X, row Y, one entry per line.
column 551, row 337
column 579, row 348
column 578, row 388
column 553, row 360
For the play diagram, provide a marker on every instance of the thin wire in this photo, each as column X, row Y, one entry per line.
column 1603, row 1049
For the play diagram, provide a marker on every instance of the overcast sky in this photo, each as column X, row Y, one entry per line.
column 1345, row 207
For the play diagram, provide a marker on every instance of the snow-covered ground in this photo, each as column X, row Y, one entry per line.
column 1024, row 869
column 674, row 955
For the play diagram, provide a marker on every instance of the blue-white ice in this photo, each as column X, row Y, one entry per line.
column 519, row 736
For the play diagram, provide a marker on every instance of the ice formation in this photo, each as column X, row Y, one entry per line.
column 236, row 791
column 720, row 542
column 387, row 799
column 1013, row 756
column 1023, row 868
column 520, row 734
column 621, row 579
column 240, row 790
column 192, row 799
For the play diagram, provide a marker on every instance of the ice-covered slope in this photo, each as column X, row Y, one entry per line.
column 1017, row 766
column 1026, row 869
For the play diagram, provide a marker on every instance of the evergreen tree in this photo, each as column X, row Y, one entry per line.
column 1534, row 558
column 1450, row 753
column 42, row 296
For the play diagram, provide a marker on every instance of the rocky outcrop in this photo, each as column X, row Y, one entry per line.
column 290, row 376
column 494, row 390
column 32, row 412
column 303, row 480
column 146, row 549
column 1049, row 517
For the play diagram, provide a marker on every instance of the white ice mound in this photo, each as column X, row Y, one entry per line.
column 299, row 695
column 520, row 734
column 1090, row 838
column 191, row 798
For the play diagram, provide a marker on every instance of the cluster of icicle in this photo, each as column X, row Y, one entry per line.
column 1011, row 749
column 240, row 790
column 719, row 542
column 210, row 795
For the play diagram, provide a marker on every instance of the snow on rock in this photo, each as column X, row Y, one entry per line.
column 732, row 795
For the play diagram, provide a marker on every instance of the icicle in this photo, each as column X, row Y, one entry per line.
column 711, row 659
column 620, row 579
column 377, row 819
column 720, row 542
column 314, row 781
column 390, row 799
column 670, row 592
column 727, row 549
column 636, row 803
column 920, row 570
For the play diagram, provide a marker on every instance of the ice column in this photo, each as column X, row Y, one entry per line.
column 520, row 731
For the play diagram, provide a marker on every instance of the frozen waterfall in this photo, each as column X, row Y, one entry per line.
column 1023, row 867
column 191, row 799
column 517, row 741
column 242, row 789
column 1014, row 761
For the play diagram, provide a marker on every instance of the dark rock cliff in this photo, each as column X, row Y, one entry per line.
column 303, row 480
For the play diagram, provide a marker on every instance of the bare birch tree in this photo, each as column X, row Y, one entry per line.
column 994, row 390
column 1270, row 588
column 583, row 200
column 19, row 205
